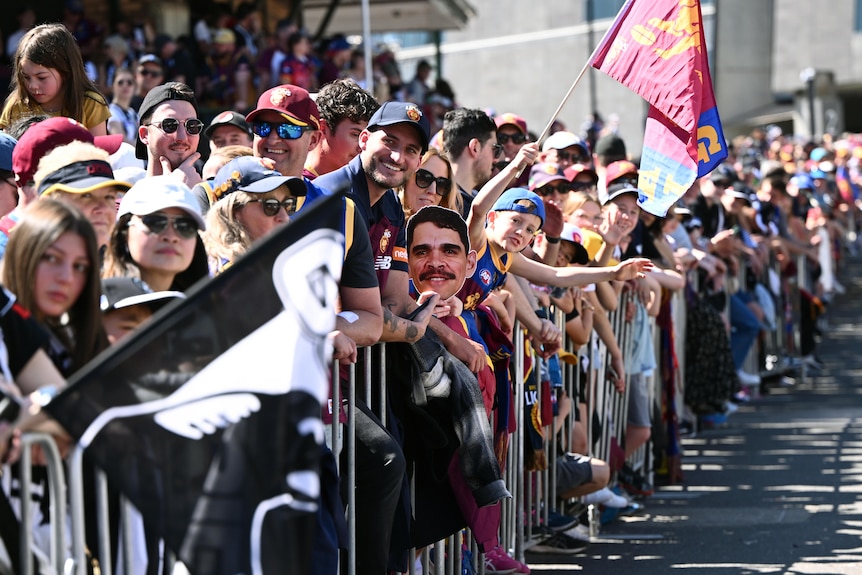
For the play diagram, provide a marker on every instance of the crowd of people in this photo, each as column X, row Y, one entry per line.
column 461, row 229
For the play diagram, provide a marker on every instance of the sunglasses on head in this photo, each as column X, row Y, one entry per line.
column 285, row 131
column 562, row 188
column 515, row 138
column 573, row 157
column 271, row 206
column 169, row 126
column 185, row 227
column 424, row 178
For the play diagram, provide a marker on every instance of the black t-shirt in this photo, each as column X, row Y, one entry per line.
column 22, row 334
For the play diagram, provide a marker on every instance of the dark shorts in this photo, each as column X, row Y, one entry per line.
column 573, row 470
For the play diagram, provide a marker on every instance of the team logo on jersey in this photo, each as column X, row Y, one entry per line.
column 384, row 241
column 485, row 276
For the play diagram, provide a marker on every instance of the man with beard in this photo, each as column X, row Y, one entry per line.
column 169, row 132
column 470, row 142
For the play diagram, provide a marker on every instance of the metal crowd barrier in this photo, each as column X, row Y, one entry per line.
column 533, row 493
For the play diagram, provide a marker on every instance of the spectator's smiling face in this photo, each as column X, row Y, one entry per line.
column 626, row 206
column 390, row 154
column 176, row 147
column 255, row 216
column 416, row 197
column 289, row 155
column 438, row 261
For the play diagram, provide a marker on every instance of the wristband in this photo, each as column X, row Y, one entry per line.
column 551, row 240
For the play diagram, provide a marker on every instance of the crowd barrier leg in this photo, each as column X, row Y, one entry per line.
column 57, row 511
column 76, row 505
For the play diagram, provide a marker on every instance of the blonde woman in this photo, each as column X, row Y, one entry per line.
column 432, row 184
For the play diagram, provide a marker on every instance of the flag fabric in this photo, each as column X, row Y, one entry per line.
column 208, row 419
column 657, row 49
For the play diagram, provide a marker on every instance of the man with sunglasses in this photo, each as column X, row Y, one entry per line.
column 148, row 75
column 169, row 132
column 512, row 135
column 470, row 142
column 286, row 127
column 566, row 149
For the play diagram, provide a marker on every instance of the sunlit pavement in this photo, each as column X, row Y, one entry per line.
column 777, row 491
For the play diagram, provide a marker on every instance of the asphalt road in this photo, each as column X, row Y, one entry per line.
column 777, row 491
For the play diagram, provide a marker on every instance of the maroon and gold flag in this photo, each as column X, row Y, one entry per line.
column 657, row 49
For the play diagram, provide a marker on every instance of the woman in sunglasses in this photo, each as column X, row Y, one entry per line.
column 156, row 237
column 124, row 119
column 252, row 200
column 432, row 184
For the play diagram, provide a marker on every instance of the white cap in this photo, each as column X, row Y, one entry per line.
column 562, row 140
column 156, row 193
column 572, row 234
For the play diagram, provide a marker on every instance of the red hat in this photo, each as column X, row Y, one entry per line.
column 291, row 102
column 44, row 136
column 512, row 119
column 619, row 169
column 575, row 169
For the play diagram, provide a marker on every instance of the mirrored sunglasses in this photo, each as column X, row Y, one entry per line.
column 285, row 131
column 424, row 178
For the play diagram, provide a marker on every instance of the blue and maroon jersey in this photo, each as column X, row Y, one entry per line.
column 491, row 266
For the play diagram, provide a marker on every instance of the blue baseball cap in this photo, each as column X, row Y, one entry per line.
column 391, row 113
column 254, row 176
column 818, row 175
column 522, row 201
column 803, row 181
column 7, row 144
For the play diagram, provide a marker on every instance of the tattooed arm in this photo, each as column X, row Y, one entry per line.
column 396, row 304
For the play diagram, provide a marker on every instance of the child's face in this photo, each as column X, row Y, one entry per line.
column 512, row 231
column 45, row 85
column 121, row 322
column 565, row 253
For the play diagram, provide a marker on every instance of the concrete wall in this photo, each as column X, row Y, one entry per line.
column 742, row 57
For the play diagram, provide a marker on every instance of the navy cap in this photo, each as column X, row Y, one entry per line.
column 7, row 144
column 617, row 190
column 81, row 178
column 391, row 113
column 228, row 118
column 254, row 176
column 120, row 292
column 522, row 201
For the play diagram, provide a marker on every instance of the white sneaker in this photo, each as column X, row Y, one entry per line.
column 579, row 532
column 730, row 408
column 746, row 378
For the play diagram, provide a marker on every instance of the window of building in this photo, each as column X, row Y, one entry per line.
column 602, row 9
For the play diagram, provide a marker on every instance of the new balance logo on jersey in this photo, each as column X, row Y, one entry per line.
column 383, row 263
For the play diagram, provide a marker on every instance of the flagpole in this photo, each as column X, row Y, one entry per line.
column 583, row 71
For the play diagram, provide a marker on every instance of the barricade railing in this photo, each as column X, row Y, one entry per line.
column 534, row 493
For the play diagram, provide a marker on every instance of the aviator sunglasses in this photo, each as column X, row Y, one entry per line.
column 170, row 125
column 424, row 178
column 185, row 227
column 285, row 131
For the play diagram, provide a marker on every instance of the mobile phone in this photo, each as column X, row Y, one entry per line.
column 10, row 407
column 736, row 230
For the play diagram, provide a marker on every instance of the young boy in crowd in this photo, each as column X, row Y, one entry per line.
column 129, row 302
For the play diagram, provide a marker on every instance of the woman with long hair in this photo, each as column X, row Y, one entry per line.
column 432, row 184
column 52, row 266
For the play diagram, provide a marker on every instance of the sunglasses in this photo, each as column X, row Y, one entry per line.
column 573, row 157
column 562, row 188
column 515, row 138
column 169, row 126
column 424, row 178
column 151, row 73
column 498, row 150
column 271, row 206
column 185, row 227
column 124, row 82
column 284, row 131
